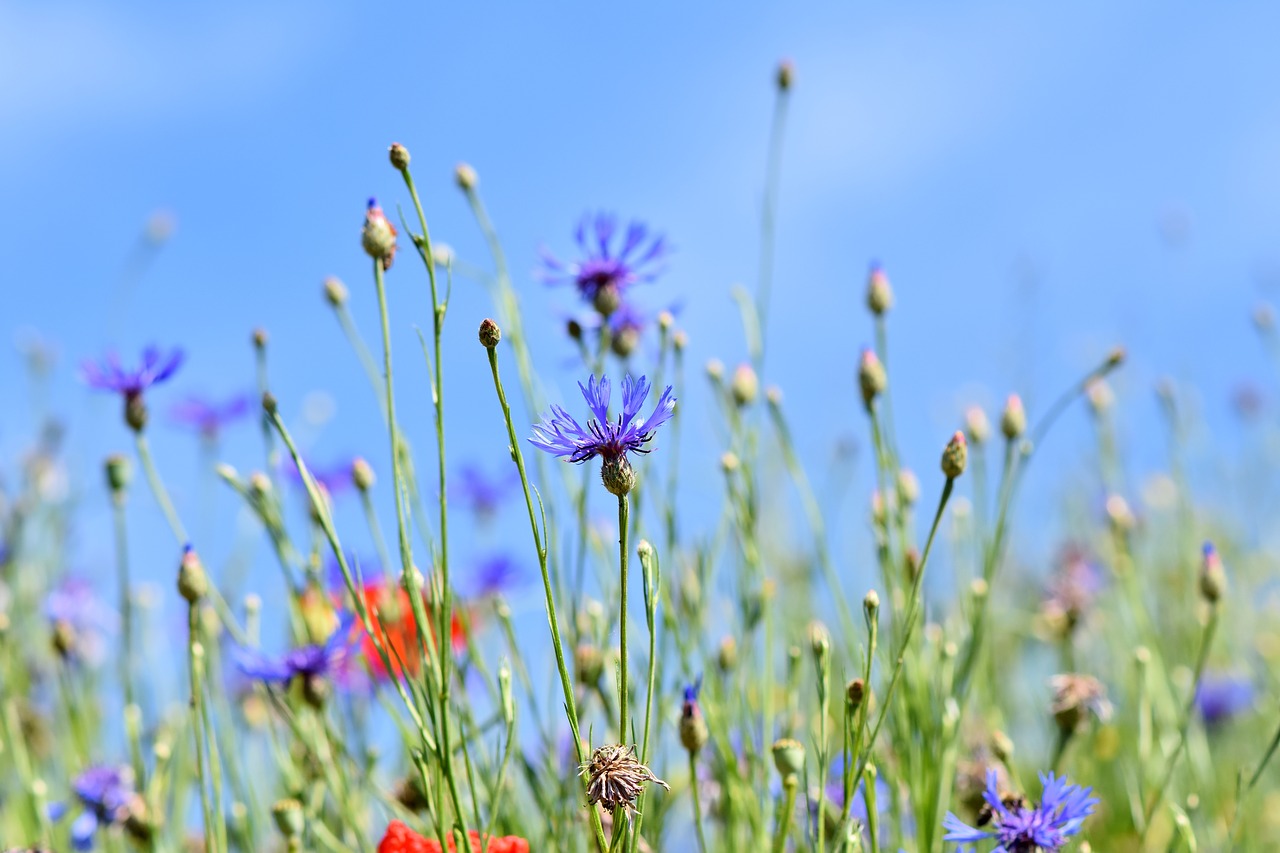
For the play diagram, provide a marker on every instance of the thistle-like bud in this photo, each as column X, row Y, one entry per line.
column 65, row 639
column 1115, row 358
column 729, row 462
column 289, row 818
column 573, row 329
column 618, row 476
column 1075, row 698
column 193, row 584
column 745, row 386
column 588, row 664
column 335, row 292
column 362, row 476
column 625, row 341
column 399, row 156
column 786, row 76
column 119, row 473
column 976, row 424
column 1213, row 577
column 872, row 378
column 1013, row 420
column 773, row 394
column 378, row 237
column 854, row 692
column 466, row 177
column 819, row 642
column 955, row 456
column 269, row 404
column 490, row 334
column 879, row 293
column 607, row 299
column 788, row 757
column 715, row 369
column 259, row 485
column 908, row 487
column 871, row 606
column 693, row 728
column 911, row 562
column 727, row 654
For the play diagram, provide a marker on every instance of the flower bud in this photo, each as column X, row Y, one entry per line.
column 1264, row 317
column 854, row 692
column 618, row 476
column 976, row 424
column 135, row 411
column 788, row 757
column 573, row 329
column 955, row 456
column 378, row 237
column 399, row 156
column 680, row 340
column 666, row 320
column 786, row 75
column 466, row 177
column 773, row 394
column 1013, row 420
column 871, row 605
column 727, row 654
column 1213, row 577
column 715, row 369
column 729, row 462
column 362, row 474
column 505, row 696
column 490, row 334
column 879, row 293
column 260, row 338
column 119, row 473
column 872, row 378
column 1119, row 514
column 289, row 818
column 335, row 292
column 588, row 664
column 1115, row 358
column 259, row 485
column 269, row 402
column 193, row 584
column 693, row 728
column 745, row 386
column 1001, row 746
column 1100, row 396
column 819, row 642
column 908, row 487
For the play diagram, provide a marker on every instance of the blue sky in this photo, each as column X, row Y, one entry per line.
column 1020, row 169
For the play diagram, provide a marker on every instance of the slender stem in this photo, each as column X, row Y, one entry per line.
column 1248, row 788
column 697, row 802
column 195, row 657
column 623, row 700
column 158, row 489
column 768, row 218
column 652, row 585
column 566, row 683
column 789, row 786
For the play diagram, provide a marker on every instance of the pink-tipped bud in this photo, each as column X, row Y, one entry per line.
column 977, row 425
column 1100, row 396
column 1013, row 420
column 872, row 378
column 1213, row 577
column 879, row 293
column 378, row 235
column 399, row 156
column 955, row 456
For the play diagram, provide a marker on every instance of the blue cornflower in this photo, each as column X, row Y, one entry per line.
column 81, row 620
column 332, row 479
column 563, row 436
column 310, row 664
column 207, row 416
column 110, row 375
column 1019, row 828
column 607, row 268
column 493, row 573
column 480, row 492
column 1220, row 697
column 108, row 798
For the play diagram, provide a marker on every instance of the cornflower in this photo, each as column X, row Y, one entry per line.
column 108, row 798
column 482, row 494
column 1219, row 697
column 209, row 417
column 81, row 620
column 1019, row 828
column 310, row 664
column 607, row 268
column 110, row 375
column 561, row 435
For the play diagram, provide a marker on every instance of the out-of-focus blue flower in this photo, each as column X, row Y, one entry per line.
column 493, row 573
column 107, row 795
column 608, row 267
column 481, row 493
column 333, row 479
column 563, row 436
column 1019, row 828
column 1220, row 696
column 74, row 608
column 208, row 416
column 308, row 662
column 110, row 375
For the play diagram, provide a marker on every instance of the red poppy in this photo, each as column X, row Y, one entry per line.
column 393, row 619
column 402, row 839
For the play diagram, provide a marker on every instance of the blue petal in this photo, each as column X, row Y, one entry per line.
column 83, row 829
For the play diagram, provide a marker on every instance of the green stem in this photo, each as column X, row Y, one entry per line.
column 697, row 802
column 768, row 219
column 195, row 656
column 789, row 785
column 158, row 489
column 566, row 682
column 623, row 699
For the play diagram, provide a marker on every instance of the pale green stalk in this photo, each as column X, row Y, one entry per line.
column 768, row 218
column 697, row 802
column 195, row 657
column 652, row 580
column 783, row 828
column 623, row 698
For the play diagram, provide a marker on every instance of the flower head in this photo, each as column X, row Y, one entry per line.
column 81, row 620
column 563, row 436
column 608, row 267
column 1072, row 589
column 208, row 417
column 399, row 838
column 1019, row 828
column 108, row 798
column 1219, row 697
column 110, row 375
column 1077, row 696
column 311, row 664
column 480, row 492
column 615, row 777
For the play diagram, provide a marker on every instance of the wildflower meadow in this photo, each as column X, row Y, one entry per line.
column 578, row 584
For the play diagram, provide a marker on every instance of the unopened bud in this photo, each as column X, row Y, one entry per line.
column 1115, row 358
column 1213, row 577
column 466, row 177
column 680, row 340
column 490, row 334
column 399, row 156
column 715, row 369
column 1013, row 420
column 260, row 338
column 955, row 456
column 745, row 386
column 378, row 237
column 786, row 75
column 1100, row 396
column 879, row 293
column 871, row 605
column 774, row 395
column 1119, row 514
column 259, row 484
column 1264, row 317
column 819, row 641
column 362, row 474
column 269, row 402
column 788, row 757
column 908, row 487
column 976, row 424
column 666, row 320
column 729, row 462
column 119, row 473
column 335, row 292
column 1001, row 746
column 727, row 654
column 289, row 818
column 854, row 692
column 588, row 664
column 872, row 378
column 505, row 695
column 193, row 584
column 573, row 329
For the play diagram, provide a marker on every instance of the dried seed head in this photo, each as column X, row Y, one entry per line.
column 616, row 778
